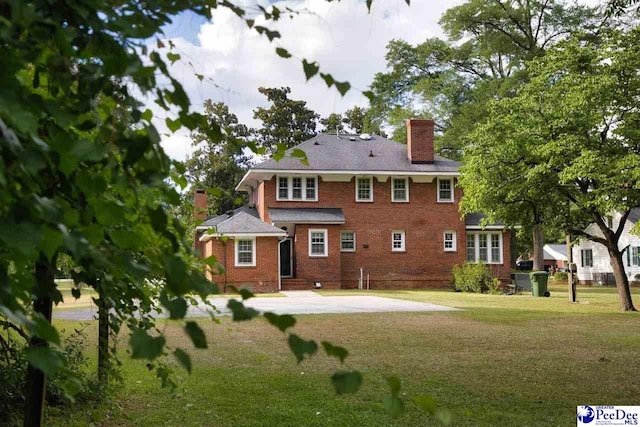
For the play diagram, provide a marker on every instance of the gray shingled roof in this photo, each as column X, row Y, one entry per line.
column 474, row 220
column 307, row 215
column 634, row 216
column 243, row 223
column 327, row 152
column 212, row 221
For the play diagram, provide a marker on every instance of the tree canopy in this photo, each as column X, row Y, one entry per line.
column 566, row 147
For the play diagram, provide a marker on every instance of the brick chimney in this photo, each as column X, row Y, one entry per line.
column 200, row 205
column 420, row 140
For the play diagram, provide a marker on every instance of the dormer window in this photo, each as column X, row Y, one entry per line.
column 297, row 188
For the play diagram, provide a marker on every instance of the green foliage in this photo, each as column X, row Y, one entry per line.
column 474, row 278
column 346, row 381
column 560, row 276
column 285, row 123
column 453, row 80
column 357, row 120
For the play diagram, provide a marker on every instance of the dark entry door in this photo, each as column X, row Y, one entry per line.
column 286, row 265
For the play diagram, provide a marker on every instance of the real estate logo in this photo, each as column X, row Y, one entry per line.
column 589, row 416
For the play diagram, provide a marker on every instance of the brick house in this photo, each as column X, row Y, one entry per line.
column 365, row 210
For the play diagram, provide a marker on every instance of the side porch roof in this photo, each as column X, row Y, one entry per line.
column 241, row 224
column 307, row 215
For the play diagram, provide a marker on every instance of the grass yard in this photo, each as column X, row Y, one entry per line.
column 505, row 360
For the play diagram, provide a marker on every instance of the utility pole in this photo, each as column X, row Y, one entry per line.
column 571, row 280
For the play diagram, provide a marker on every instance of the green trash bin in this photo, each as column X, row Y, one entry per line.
column 539, row 283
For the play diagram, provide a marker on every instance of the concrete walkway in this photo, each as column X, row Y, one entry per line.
column 297, row 302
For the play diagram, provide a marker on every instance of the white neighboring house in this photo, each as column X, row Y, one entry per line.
column 592, row 258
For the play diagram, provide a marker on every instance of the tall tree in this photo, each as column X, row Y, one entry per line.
column 219, row 164
column 481, row 59
column 286, row 122
column 333, row 123
column 566, row 147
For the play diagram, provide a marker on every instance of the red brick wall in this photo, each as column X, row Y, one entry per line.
column 199, row 214
column 326, row 270
column 261, row 278
column 423, row 264
column 420, row 140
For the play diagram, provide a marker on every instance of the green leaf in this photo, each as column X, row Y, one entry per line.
column 177, row 306
column 147, row 115
column 183, row 358
column 280, row 321
column 346, row 381
column 310, row 68
column 427, row 403
column 444, row 416
column 328, row 79
column 369, row 95
column 244, row 293
column 51, row 241
column 393, row 405
column 284, row 53
column 145, row 346
column 196, row 334
column 300, row 347
column 335, row 351
column 369, row 5
column 173, row 125
column 45, row 359
column 45, row 330
column 240, row 312
column 173, row 57
column 126, row 239
column 343, row 87
column 394, row 384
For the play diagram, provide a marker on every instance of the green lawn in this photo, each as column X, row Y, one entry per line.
column 505, row 360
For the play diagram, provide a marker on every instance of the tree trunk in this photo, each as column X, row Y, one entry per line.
column 103, row 343
column 622, row 282
column 36, row 379
column 538, row 247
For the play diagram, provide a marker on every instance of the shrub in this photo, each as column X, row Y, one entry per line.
column 474, row 278
column 560, row 276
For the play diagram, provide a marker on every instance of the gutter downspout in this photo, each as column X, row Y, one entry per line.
column 279, row 264
column 224, row 283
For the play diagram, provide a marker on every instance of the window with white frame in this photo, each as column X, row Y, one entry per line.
column 364, row 189
column 633, row 256
column 399, row 189
column 586, row 257
column 245, row 252
column 298, row 188
column 397, row 241
column 318, row 243
column 484, row 247
column 445, row 190
column 347, row 241
column 450, row 241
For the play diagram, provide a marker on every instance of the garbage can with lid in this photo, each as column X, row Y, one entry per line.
column 539, row 283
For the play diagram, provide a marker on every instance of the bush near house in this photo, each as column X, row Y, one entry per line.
column 560, row 276
column 474, row 278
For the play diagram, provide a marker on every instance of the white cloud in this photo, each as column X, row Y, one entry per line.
column 347, row 42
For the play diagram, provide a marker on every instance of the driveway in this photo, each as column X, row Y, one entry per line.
column 295, row 302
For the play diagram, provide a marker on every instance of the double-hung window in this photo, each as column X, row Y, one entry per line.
column 450, row 241
column 298, row 188
column 347, row 241
column 397, row 241
column 245, row 252
column 484, row 247
column 364, row 189
column 586, row 257
column 399, row 189
column 633, row 256
column 445, row 190
column 318, row 243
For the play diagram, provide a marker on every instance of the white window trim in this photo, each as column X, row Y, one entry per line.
column 583, row 258
column 370, row 199
column 453, row 197
column 354, row 241
column 454, row 240
column 476, row 240
column 253, row 252
column 290, row 188
column 326, row 242
column 393, row 194
column 403, row 241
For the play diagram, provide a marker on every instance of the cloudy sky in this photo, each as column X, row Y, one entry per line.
column 343, row 37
